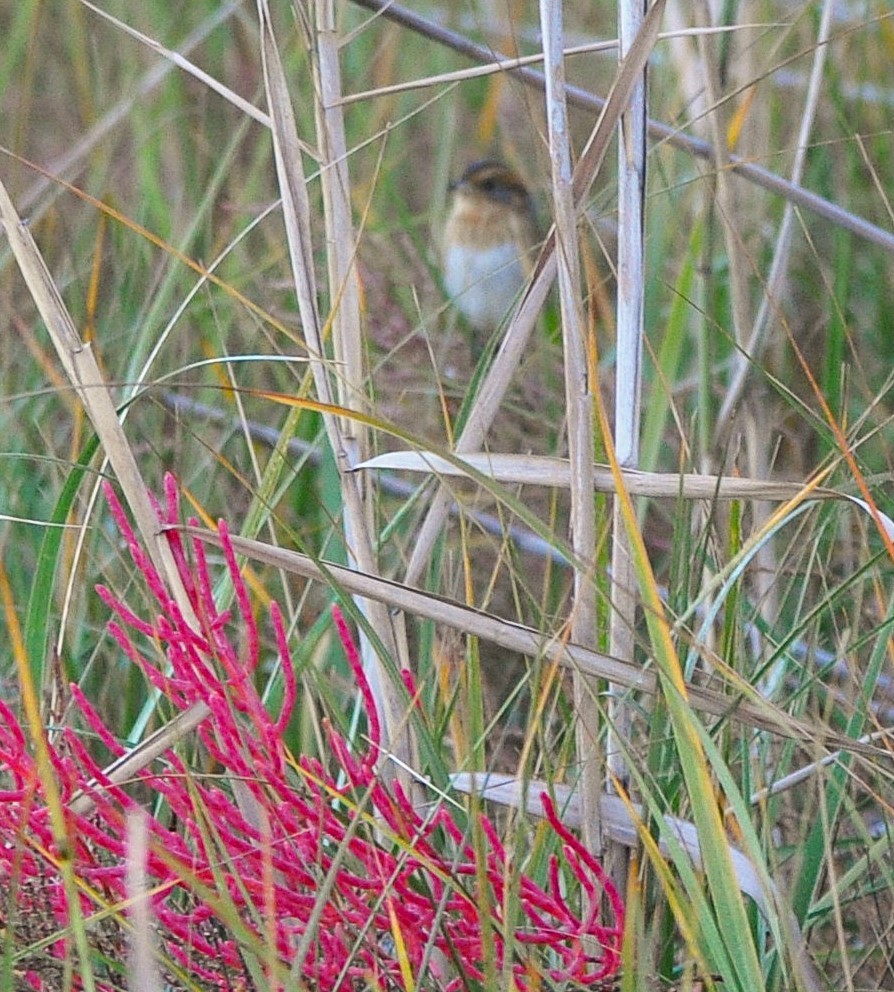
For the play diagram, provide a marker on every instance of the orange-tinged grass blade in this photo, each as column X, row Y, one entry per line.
column 52, row 795
column 159, row 242
column 400, row 949
column 728, row 904
column 671, row 888
column 248, row 573
column 740, row 117
column 95, row 280
column 845, row 448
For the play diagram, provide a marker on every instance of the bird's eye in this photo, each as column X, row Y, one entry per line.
column 488, row 185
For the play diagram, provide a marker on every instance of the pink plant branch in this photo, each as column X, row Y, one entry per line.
column 390, row 873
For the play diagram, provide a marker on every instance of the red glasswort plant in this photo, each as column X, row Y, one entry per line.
column 327, row 876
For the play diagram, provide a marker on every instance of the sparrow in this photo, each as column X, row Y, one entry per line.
column 490, row 243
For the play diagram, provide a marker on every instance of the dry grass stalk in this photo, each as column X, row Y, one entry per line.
column 579, row 390
column 347, row 381
column 517, row 335
column 628, row 389
column 93, row 391
column 742, row 702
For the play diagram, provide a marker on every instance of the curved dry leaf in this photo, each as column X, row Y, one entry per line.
column 540, row 470
column 621, row 822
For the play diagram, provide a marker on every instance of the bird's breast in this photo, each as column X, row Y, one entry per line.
column 483, row 282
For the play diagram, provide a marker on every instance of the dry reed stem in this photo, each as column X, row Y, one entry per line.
column 630, row 307
column 741, row 703
column 142, row 963
column 178, row 59
column 94, row 393
column 579, row 388
column 83, row 372
column 746, row 358
column 515, row 340
column 544, row 470
column 623, row 820
column 351, row 373
column 507, row 65
column 345, row 322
